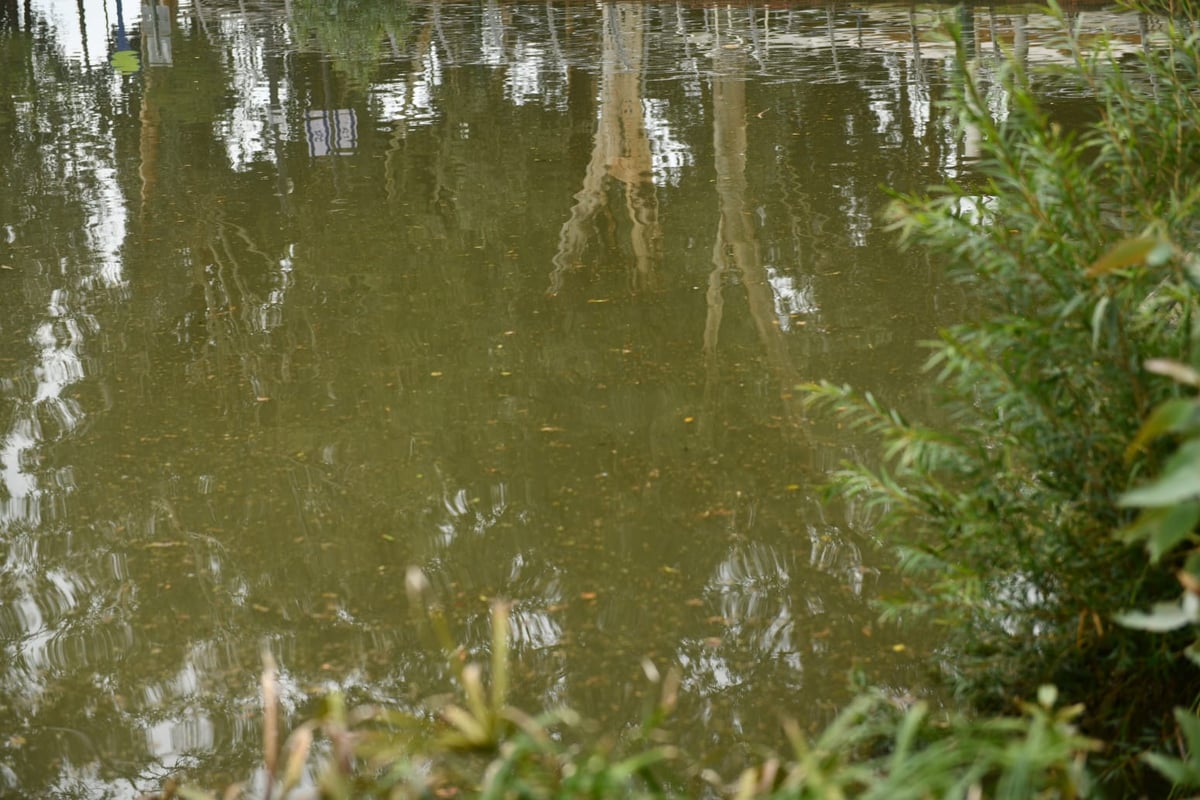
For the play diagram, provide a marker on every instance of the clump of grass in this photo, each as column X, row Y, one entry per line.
column 479, row 745
column 873, row 750
column 484, row 717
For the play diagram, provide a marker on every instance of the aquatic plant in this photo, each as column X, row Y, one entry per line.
column 481, row 746
column 475, row 744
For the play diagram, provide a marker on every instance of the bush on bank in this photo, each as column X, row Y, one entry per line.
column 1070, row 451
column 1085, row 268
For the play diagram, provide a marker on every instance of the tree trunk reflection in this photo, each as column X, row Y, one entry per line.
column 736, row 245
column 621, row 151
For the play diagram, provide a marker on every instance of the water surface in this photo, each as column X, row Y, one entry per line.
column 516, row 293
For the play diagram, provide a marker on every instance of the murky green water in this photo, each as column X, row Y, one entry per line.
column 515, row 293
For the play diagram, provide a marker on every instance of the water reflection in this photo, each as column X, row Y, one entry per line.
column 518, row 293
column 621, row 153
column 736, row 246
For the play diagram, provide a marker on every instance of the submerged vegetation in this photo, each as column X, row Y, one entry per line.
column 1071, row 450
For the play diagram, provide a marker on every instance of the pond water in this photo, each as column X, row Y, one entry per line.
column 519, row 294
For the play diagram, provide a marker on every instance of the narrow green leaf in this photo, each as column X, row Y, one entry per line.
column 1191, row 267
column 1189, row 723
column 1126, row 253
column 1192, row 565
column 468, row 726
column 476, row 696
column 1168, row 417
column 1179, row 481
column 1172, row 769
column 501, row 641
column 1180, row 522
column 1162, row 528
column 624, row 770
column 906, row 734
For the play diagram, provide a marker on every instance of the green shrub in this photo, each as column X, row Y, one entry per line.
column 1083, row 269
